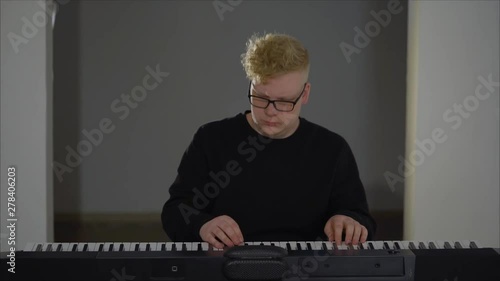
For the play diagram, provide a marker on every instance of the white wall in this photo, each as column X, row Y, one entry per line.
column 453, row 192
column 26, row 120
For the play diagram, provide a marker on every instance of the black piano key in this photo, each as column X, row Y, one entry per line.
column 74, row 248
column 412, row 246
column 360, row 246
column 288, row 246
column 447, row 245
column 184, row 247
column 200, row 248
column 323, row 246
column 121, row 247
column 49, row 248
column 299, row 247
column 262, row 243
column 148, row 247
column 59, row 248
column 164, row 248
column 246, row 243
column 309, row 246
column 432, row 245
column 473, row 245
column 396, row 245
column 38, row 247
column 421, row 245
column 85, row 247
column 386, row 246
column 458, row 246
column 370, row 246
column 101, row 247
column 174, row 247
column 110, row 247
column 136, row 247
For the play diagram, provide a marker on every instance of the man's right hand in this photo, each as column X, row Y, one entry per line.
column 221, row 229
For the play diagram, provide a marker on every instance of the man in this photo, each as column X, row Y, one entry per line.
column 268, row 174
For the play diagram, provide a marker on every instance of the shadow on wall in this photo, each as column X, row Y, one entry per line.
column 66, row 121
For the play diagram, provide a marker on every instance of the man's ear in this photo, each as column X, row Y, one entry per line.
column 307, row 90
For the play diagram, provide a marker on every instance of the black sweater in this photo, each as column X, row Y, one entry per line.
column 275, row 189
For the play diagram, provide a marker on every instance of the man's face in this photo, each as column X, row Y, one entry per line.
column 288, row 87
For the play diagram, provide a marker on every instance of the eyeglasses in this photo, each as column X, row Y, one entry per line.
column 280, row 105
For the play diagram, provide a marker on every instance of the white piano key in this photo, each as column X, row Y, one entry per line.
column 343, row 246
column 442, row 244
column 302, row 244
column 194, row 246
column 116, row 246
column 267, row 243
column 390, row 244
column 90, row 247
column 318, row 245
column 29, row 247
column 378, row 245
column 126, row 246
column 365, row 245
column 329, row 245
column 355, row 247
column 80, row 246
column 142, row 246
column 398, row 244
column 98, row 246
column 431, row 244
column 188, row 246
column 169, row 245
column 38, row 247
column 133, row 246
column 178, row 246
column 70, row 247
column 44, row 246
column 425, row 244
column 276, row 244
column 293, row 245
column 406, row 244
column 283, row 245
column 55, row 246
column 161, row 246
column 205, row 246
column 107, row 245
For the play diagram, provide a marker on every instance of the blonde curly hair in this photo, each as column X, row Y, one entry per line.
column 273, row 54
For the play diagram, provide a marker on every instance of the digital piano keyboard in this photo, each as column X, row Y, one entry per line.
column 293, row 260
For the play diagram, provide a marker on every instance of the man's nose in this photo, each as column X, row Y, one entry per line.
column 271, row 110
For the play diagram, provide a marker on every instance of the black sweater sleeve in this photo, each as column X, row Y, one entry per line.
column 184, row 213
column 348, row 195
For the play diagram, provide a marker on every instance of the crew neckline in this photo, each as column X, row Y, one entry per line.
column 253, row 131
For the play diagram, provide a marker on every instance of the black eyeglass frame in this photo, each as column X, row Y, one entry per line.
column 293, row 103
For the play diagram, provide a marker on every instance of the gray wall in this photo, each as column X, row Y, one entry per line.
column 131, row 169
column 453, row 189
column 104, row 48
column 26, row 122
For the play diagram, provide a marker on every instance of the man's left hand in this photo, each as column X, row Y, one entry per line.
column 354, row 231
